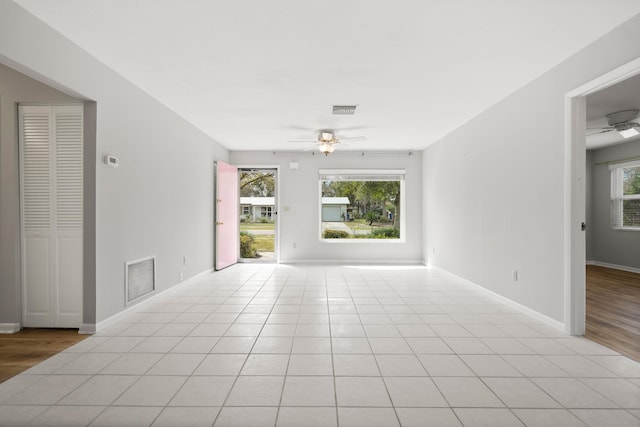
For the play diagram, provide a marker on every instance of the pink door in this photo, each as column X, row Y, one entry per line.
column 226, row 232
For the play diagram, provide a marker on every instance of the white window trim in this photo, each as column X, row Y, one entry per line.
column 366, row 175
column 617, row 198
column 266, row 211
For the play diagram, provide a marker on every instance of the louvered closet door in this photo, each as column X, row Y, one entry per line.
column 51, row 168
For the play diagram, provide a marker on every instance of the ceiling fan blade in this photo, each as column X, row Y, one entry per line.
column 351, row 128
column 602, row 131
column 353, row 138
column 303, row 128
column 307, row 141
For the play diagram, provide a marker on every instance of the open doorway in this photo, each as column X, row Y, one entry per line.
column 613, row 214
column 601, row 298
column 258, row 214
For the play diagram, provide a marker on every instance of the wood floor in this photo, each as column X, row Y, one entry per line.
column 613, row 309
column 22, row 350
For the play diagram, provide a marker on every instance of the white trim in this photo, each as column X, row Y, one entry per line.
column 87, row 329
column 9, row 328
column 348, row 241
column 574, row 213
column 524, row 309
column 574, row 175
column 133, row 308
column 615, row 266
column 621, row 73
column 314, row 261
column 403, row 215
column 635, row 229
column 362, row 172
column 276, row 203
column 624, row 164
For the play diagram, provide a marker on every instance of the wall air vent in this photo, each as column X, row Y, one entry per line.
column 140, row 279
column 344, row 109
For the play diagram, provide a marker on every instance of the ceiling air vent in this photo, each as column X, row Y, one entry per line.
column 344, row 109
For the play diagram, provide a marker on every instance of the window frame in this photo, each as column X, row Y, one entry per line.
column 374, row 175
column 266, row 212
column 618, row 197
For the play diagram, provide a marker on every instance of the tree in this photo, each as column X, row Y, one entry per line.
column 368, row 196
column 371, row 217
column 256, row 184
column 631, row 180
column 631, row 186
column 383, row 194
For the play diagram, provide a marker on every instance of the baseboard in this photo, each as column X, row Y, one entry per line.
column 347, row 262
column 135, row 307
column 522, row 308
column 87, row 329
column 614, row 266
column 10, row 328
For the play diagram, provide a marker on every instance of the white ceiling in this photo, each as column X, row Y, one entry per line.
column 254, row 74
column 621, row 96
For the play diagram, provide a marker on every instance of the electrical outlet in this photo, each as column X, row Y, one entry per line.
column 181, row 277
column 184, row 260
column 514, row 274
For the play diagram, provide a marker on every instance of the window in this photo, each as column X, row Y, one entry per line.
column 265, row 211
column 361, row 204
column 625, row 196
column 245, row 210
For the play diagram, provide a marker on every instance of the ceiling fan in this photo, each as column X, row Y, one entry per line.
column 624, row 122
column 327, row 140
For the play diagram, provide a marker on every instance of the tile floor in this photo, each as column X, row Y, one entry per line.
column 280, row 345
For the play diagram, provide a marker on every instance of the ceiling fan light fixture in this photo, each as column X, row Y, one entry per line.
column 326, row 136
column 327, row 148
column 628, row 133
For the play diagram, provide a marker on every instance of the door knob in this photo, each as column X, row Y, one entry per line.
column 583, row 226
column 219, row 223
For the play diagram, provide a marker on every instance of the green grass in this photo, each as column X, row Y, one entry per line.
column 261, row 242
column 358, row 224
column 264, row 243
column 248, row 226
column 361, row 224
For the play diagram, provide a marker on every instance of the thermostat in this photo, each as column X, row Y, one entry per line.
column 111, row 161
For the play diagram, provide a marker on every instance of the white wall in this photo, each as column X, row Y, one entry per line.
column 299, row 192
column 606, row 245
column 493, row 188
column 160, row 200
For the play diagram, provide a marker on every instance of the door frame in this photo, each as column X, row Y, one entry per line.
column 574, row 181
column 276, row 203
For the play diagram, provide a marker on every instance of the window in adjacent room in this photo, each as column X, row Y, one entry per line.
column 360, row 204
column 625, row 195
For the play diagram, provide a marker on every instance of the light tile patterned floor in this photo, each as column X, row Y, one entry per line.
column 280, row 345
